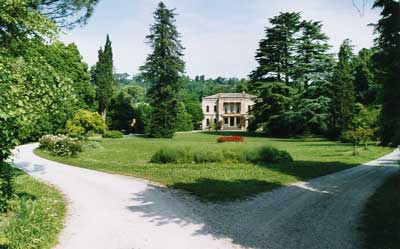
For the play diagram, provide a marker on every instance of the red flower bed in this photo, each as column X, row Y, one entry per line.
column 230, row 139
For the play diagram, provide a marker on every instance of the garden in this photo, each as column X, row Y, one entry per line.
column 218, row 171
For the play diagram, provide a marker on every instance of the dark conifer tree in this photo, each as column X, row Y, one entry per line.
column 275, row 54
column 343, row 98
column 388, row 58
column 104, row 79
column 164, row 68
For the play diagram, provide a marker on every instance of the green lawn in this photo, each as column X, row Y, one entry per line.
column 219, row 182
column 381, row 219
column 36, row 215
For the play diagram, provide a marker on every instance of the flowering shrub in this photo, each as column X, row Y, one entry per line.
column 60, row 145
column 230, row 139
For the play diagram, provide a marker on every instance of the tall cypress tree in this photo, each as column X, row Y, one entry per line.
column 163, row 68
column 343, row 98
column 103, row 78
column 388, row 58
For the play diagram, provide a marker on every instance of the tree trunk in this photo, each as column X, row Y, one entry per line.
column 104, row 114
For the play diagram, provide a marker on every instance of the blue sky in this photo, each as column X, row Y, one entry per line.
column 220, row 36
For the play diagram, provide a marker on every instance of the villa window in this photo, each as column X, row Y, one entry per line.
column 238, row 107
column 226, row 121
column 215, row 108
column 215, row 121
column 208, row 121
column 207, row 109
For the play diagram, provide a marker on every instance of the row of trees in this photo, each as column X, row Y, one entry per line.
column 305, row 89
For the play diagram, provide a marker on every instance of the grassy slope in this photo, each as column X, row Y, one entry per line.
column 36, row 216
column 381, row 219
column 130, row 156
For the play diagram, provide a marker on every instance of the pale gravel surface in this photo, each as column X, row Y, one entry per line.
column 116, row 212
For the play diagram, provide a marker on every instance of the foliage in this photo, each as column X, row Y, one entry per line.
column 380, row 220
column 366, row 87
column 183, row 119
column 230, row 139
column 193, row 108
column 143, row 118
column 60, row 145
column 113, row 134
column 267, row 154
column 103, row 78
column 66, row 13
column 358, row 136
column 122, row 110
column 275, row 54
column 6, row 185
column 19, row 22
column 388, row 60
column 36, row 99
column 163, row 68
column 84, row 122
column 67, row 60
column 274, row 101
column 36, row 214
column 343, row 96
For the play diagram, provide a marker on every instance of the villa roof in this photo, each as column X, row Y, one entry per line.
column 230, row 95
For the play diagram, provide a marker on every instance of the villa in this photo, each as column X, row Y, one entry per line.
column 228, row 111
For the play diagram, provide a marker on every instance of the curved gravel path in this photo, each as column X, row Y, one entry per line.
column 116, row 212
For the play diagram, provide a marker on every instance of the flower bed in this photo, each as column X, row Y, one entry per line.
column 230, row 139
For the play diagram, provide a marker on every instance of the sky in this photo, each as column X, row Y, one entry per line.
column 220, row 36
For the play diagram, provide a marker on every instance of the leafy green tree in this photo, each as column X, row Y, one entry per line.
column 276, row 51
column 67, row 60
column 122, row 108
column 19, row 23
column 142, row 118
column 183, row 119
column 365, row 86
column 388, row 59
column 193, row 108
column 343, row 97
column 163, row 68
column 104, row 79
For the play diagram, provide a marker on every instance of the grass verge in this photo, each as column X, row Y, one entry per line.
column 220, row 181
column 36, row 214
column 381, row 218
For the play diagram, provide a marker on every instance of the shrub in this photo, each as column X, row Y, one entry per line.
column 66, row 148
column 208, row 157
column 6, row 186
column 267, row 154
column 230, row 139
column 84, row 122
column 172, row 155
column 113, row 134
column 60, row 145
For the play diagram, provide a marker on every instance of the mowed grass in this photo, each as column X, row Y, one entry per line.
column 381, row 219
column 221, row 181
column 36, row 215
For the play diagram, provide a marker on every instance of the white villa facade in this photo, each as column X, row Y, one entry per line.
column 228, row 111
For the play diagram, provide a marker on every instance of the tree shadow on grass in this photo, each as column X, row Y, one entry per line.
column 222, row 191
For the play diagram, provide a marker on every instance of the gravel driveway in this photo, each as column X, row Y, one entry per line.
column 116, row 212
